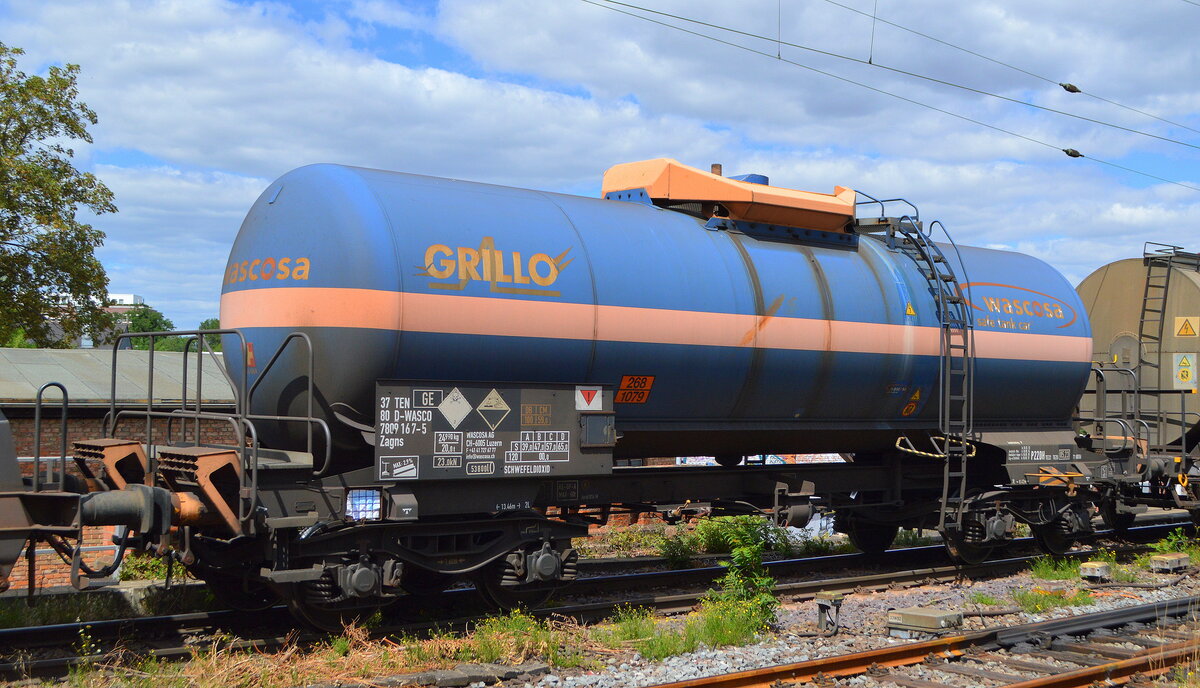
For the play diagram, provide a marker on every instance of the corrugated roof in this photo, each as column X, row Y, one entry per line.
column 87, row 375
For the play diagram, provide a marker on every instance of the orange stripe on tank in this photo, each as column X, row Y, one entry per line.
column 475, row 315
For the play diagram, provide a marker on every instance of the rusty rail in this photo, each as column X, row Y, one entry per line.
column 1146, row 663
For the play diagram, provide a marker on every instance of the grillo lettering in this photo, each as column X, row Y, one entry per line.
column 506, row 272
column 489, row 265
column 266, row 269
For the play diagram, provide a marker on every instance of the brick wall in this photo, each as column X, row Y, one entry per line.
column 92, row 427
column 51, row 571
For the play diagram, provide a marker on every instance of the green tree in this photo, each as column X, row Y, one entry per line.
column 16, row 340
column 143, row 318
column 214, row 340
column 49, row 273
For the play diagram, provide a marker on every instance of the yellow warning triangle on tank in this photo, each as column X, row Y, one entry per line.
column 908, row 309
column 1186, row 329
column 916, row 395
column 1185, row 362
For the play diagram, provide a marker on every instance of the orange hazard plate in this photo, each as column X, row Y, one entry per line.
column 634, row 389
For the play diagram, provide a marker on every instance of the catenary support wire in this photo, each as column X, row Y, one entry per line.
column 1069, row 151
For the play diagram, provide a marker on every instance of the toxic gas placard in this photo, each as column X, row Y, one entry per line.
column 483, row 431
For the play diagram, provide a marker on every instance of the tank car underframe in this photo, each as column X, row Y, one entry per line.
column 512, row 535
column 1054, row 494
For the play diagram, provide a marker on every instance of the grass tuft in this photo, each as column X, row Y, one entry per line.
column 984, row 599
column 912, row 537
column 1035, row 600
column 1050, row 568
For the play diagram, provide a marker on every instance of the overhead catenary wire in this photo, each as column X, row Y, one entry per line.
column 1069, row 151
column 904, row 72
column 1068, row 87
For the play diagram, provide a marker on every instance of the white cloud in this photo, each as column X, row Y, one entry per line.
column 214, row 84
column 171, row 238
column 390, row 14
column 548, row 94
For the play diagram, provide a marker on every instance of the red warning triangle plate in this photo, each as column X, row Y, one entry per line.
column 588, row 399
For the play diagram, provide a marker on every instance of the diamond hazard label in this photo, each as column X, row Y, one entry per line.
column 589, row 399
column 493, row 409
column 1186, row 327
column 455, row 407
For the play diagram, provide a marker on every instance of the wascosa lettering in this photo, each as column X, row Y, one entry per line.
column 1026, row 304
column 1016, row 307
column 505, row 271
column 267, row 269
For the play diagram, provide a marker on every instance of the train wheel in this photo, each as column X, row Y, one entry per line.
column 487, row 583
column 1116, row 520
column 322, row 618
column 418, row 581
column 962, row 552
column 729, row 460
column 869, row 538
column 1053, row 538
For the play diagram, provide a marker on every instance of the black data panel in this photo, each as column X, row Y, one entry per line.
column 454, row 431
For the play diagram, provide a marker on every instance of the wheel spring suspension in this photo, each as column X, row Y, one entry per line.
column 570, row 569
column 1065, row 525
column 974, row 531
column 514, row 570
column 322, row 590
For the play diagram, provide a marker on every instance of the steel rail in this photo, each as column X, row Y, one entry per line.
column 175, row 625
column 1150, row 663
column 51, row 634
column 141, row 627
column 951, row 647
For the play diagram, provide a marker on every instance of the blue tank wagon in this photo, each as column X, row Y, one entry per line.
column 440, row 379
column 745, row 342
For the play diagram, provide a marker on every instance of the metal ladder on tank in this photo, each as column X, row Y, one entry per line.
column 956, row 371
column 1160, row 260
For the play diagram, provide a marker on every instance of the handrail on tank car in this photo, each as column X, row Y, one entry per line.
column 192, row 335
column 1126, row 434
column 112, row 418
column 1134, row 392
column 882, row 208
column 1101, row 410
column 966, row 279
column 309, row 420
column 1174, row 255
column 37, row 439
column 923, row 246
column 1183, row 431
column 1136, row 413
column 202, row 347
column 203, row 344
column 242, row 401
column 1159, row 250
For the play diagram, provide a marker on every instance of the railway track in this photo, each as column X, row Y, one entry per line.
column 465, row 599
column 1131, row 645
column 172, row 637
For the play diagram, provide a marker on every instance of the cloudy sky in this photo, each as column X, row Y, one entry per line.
column 203, row 102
